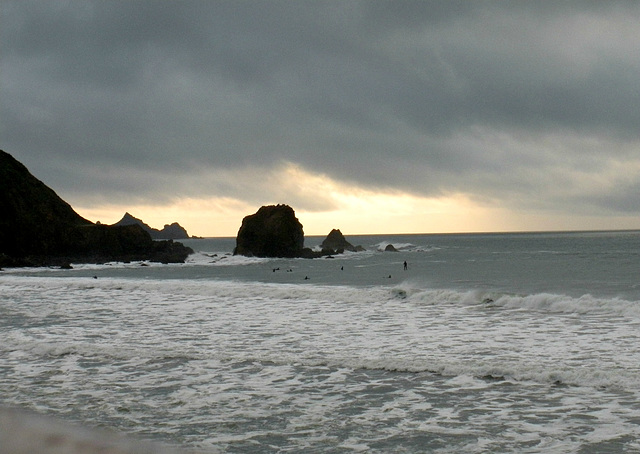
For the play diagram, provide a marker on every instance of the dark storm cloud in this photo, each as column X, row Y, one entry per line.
column 511, row 102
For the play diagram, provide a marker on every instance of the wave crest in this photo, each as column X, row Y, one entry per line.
column 542, row 302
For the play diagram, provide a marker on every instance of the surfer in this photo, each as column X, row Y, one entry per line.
column 405, row 265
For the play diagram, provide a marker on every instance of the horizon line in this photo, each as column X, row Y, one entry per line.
column 506, row 232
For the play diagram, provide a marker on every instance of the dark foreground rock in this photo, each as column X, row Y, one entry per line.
column 170, row 231
column 337, row 243
column 38, row 228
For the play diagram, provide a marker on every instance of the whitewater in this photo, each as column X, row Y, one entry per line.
column 486, row 343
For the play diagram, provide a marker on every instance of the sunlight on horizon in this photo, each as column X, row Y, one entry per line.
column 380, row 214
column 322, row 204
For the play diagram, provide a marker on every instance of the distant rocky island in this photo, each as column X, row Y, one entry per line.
column 170, row 231
column 38, row 228
column 275, row 231
column 336, row 242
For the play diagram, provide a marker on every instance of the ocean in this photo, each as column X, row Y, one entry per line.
column 524, row 342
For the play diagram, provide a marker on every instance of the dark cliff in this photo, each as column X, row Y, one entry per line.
column 37, row 227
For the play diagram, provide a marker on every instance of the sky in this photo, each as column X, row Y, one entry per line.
column 368, row 116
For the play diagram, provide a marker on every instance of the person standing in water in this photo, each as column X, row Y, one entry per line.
column 405, row 265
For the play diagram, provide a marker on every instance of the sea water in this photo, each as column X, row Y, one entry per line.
column 485, row 343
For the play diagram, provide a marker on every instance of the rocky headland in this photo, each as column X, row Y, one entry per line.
column 38, row 228
column 172, row 231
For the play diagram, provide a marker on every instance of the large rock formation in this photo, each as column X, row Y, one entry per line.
column 337, row 243
column 170, row 231
column 273, row 231
column 38, row 228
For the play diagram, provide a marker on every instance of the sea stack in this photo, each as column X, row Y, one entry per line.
column 273, row 231
column 337, row 243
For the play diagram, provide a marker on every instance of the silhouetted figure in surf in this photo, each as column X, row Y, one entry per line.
column 405, row 265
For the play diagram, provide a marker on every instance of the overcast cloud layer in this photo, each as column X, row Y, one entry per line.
column 534, row 105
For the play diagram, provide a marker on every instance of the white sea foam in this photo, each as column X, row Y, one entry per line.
column 370, row 328
column 222, row 259
column 561, row 303
column 542, row 302
column 404, row 247
column 247, row 358
column 398, row 246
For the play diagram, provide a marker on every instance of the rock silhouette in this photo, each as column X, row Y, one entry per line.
column 335, row 242
column 38, row 228
column 273, row 231
column 172, row 231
